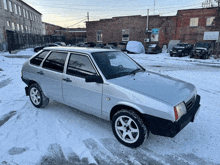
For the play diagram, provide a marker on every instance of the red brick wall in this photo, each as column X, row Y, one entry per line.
column 184, row 32
column 112, row 28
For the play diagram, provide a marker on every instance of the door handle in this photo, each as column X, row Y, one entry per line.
column 67, row 80
column 41, row 73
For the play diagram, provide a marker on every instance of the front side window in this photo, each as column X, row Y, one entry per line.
column 209, row 21
column 5, row 5
column 80, row 66
column 125, row 34
column 39, row 58
column 194, row 21
column 115, row 64
column 99, row 36
column 55, row 61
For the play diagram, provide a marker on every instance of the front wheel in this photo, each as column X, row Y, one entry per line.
column 37, row 96
column 129, row 128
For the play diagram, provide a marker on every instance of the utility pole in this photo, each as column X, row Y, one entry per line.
column 154, row 7
column 88, row 16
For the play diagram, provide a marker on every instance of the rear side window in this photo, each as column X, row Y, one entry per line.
column 55, row 61
column 39, row 58
column 80, row 66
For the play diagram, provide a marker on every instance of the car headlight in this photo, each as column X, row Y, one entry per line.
column 179, row 110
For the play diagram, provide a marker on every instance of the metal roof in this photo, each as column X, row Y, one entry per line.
column 79, row 49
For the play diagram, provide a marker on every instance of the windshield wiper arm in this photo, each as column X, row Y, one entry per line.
column 135, row 71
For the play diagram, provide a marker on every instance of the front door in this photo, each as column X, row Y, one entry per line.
column 85, row 96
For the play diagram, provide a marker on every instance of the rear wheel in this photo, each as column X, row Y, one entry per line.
column 37, row 96
column 129, row 128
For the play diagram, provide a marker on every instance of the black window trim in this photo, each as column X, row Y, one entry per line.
column 37, row 55
column 56, row 51
column 80, row 54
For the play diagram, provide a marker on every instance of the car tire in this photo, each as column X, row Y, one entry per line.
column 129, row 128
column 171, row 55
column 37, row 96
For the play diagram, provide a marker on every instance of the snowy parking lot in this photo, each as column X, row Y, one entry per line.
column 59, row 134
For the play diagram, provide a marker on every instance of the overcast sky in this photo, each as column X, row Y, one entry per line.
column 73, row 13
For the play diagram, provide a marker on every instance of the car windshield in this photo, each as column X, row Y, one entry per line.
column 204, row 45
column 181, row 45
column 115, row 64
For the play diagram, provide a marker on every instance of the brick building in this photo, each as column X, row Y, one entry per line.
column 187, row 26
column 72, row 35
column 18, row 16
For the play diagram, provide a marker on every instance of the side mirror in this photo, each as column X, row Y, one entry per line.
column 94, row 78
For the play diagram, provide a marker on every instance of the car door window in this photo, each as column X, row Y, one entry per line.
column 55, row 61
column 39, row 58
column 80, row 66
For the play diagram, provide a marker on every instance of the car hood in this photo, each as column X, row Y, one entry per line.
column 200, row 48
column 157, row 86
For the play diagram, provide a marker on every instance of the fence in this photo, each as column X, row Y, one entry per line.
column 18, row 40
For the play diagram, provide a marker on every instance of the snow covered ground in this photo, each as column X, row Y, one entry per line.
column 59, row 134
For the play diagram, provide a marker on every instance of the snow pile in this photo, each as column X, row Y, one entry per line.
column 135, row 47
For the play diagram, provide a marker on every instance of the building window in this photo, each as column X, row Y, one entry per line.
column 99, row 36
column 5, row 5
column 8, row 23
column 22, row 28
column 13, row 26
column 27, row 14
column 16, row 9
column 18, row 27
column 10, row 6
column 24, row 12
column 194, row 21
column 125, row 34
column 209, row 21
column 19, row 10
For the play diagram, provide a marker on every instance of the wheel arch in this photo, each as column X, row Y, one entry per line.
column 120, row 106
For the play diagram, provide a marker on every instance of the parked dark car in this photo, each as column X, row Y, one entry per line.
column 202, row 50
column 99, row 45
column 115, row 44
column 37, row 49
column 181, row 49
column 122, row 46
column 90, row 44
column 153, row 49
column 60, row 43
column 109, row 47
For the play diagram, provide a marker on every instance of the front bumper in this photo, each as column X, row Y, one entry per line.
column 163, row 127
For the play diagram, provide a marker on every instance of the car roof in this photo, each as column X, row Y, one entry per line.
column 79, row 49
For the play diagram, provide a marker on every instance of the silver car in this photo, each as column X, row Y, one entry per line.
column 111, row 85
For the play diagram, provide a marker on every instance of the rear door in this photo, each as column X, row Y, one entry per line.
column 51, row 75
column 78, row 93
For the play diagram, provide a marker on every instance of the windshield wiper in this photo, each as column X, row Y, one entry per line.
column 135, row 71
